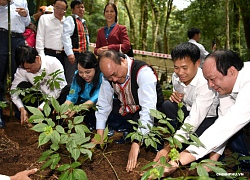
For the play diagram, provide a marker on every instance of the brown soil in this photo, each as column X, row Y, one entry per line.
column 19, row 151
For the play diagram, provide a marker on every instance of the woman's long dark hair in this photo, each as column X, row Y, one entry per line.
column 88, row 60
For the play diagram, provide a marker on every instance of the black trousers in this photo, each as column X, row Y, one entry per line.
column 16, row 40
column 170, row 110
column 116, row 121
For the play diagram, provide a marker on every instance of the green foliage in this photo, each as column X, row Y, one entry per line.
column 3, row 104
column 73, row 138
column 165, row 130
column 33, row 94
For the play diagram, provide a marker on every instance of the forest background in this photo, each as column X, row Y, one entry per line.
column 158, row 25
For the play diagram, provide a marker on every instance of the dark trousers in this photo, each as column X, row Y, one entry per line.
column 4, row 56
column 59, row 56
column 240, row 142
column 116, row 121
column 170, row 110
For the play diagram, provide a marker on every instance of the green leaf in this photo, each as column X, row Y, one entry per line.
column 55, row 137
column 78, row 120
column 88, row 145
column 35, row 111
column 46, row 109
column 202, row 171
column 86, row 151
column 39, row 127
column 47, row 164
column 36, row 118
column 63, row 167
column 196, row 140
column 55, row 104
column 50, row 122
column 45, row 155
column 157, row 114
column 75, row 164
column 55, row 162
column 43, row 139
column 64, row 107
column 79, row 174
column 54, row 146
column 151, row 164
column 75, row 153
column 81, row 129
column 60, row 129
column 64, row 176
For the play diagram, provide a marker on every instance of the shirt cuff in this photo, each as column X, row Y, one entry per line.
column 3, row 177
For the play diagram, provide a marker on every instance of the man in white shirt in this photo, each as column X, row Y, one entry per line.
column 194, row 36
column 121, row 77
column 190, row 88
column 49, row 32
column 230, row 77
column 23, row 175
column 32, row 65
column 19, row 19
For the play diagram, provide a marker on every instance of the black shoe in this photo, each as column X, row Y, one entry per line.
column 2, row 124
column 111, row 132
column 123, row 140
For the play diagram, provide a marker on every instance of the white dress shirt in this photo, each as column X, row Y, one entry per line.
column 49, row 33
column 18, row 23
column 3, row 177
column 203, row 52
column 50, row 65
column 199, row 100
column 68, row 30
column 234, row 115
column 146, row 94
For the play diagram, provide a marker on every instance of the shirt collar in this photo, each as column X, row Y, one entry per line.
column 112, row 26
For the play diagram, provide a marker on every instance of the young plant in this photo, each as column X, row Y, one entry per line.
column 74, row 139
column 155, row 170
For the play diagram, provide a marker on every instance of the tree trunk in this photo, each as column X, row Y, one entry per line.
column 236, row 29
column 143, row 25
column 131, row 23
column 165, row 38
column 155, row 23
column 245, row 13
column 227, row 25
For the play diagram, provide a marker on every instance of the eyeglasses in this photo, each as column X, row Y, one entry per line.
column 59, row 9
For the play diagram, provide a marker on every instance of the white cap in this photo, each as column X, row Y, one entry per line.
column 49, row 9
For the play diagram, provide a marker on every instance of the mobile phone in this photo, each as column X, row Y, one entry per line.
column 213, row 42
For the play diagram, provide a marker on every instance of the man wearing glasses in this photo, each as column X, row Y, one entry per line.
column 49, row 31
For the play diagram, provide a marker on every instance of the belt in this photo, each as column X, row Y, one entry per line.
column 13, row 34
column 78, row 50
column 53, row 51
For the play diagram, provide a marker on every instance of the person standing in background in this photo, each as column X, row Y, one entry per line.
column 49, row 32
column 194, row 36
column 19, row 18
column 112, row 36
column 75, row 38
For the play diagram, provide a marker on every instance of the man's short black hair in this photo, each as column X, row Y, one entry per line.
column 186, row 49
column 191, row 32
column 25, row 54
column 75, row 2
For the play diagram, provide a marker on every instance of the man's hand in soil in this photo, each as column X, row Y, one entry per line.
column 23, row 116
column 132, row 157
column 164, row 152
column 24, row 175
